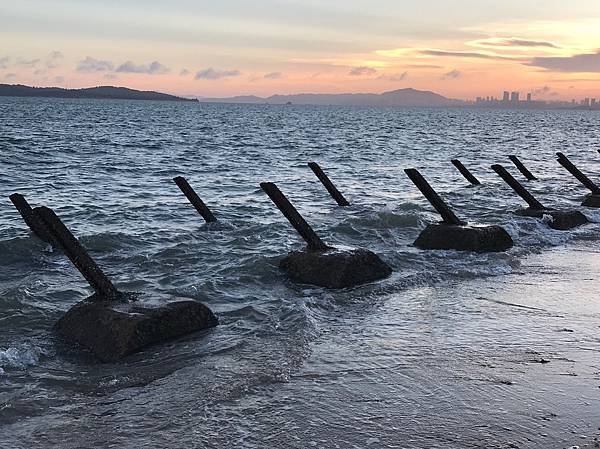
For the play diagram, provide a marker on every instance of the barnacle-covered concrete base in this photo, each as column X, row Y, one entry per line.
column 335, row 268
column 113, row 329
column 561, row 220
column 464, row 238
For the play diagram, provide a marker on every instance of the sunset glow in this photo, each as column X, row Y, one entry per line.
column 461, row 49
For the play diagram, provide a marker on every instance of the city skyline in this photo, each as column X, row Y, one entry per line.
column 513, row 99
column 285, row 46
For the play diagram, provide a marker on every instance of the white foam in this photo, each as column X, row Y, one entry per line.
column 593, row 215
column 19, row 357
column 481, row 270
column 112, row 382
column 534, row 233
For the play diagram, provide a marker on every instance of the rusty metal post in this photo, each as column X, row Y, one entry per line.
column 193, row 197
column 432, row 196
column 571, row 168
column 465, row 172
column 294, row 217
column 35, row 224
column 528, row 175
column 77, row 255
column 518, row 187
column 333, row 191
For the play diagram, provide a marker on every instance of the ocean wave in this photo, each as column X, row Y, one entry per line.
column 20, row 357
column 593, row 215
column 108, row 241
column 22, row 249
column 383, row 219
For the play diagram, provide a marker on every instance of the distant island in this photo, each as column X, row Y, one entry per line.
column 410, row 98
column 401, row 97
column 100, row 92
column 396, row 98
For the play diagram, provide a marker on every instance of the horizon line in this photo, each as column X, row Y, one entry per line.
column 190, row 95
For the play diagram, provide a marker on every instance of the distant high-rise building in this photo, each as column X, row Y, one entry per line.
column 586, row 102
column 529, row 97
column 506, row 96
column 514, row 97
column 594, row 102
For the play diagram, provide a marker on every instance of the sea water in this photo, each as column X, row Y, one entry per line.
column 454, row 350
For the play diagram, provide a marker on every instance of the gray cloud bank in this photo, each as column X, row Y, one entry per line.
column 154, row 68
column 453, row 74
column 589, row 62
column 215, row 74
column 360, row 71
column 515, row 42
column 273, row 76
column 93, row 65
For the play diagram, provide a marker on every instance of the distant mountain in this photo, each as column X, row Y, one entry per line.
column 400, row 97
column 101, row 92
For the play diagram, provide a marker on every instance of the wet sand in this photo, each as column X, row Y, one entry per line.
column 504, row 362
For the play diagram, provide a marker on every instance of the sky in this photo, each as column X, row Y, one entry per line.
column 459, row 48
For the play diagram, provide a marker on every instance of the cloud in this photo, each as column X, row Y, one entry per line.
column 154, row 68
column 53, row 59
column 59, row 79
column 582, row 63
column 50, row 62
column 184, row 72
column 407, row 52
column 465, row 54
column 10, row 76
column 545, row 91
column 41, row 66
column 395, row 77
column 542, row 90
column 513, row 42
column 423, row 66
column 27, row 62
column 110, row 76
column 360, row 71
column 212, row 74
column 91, row 65
column 396, row 52
column 453, row 74
column 273, row 76
column 572, row 80
column 399, row 76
